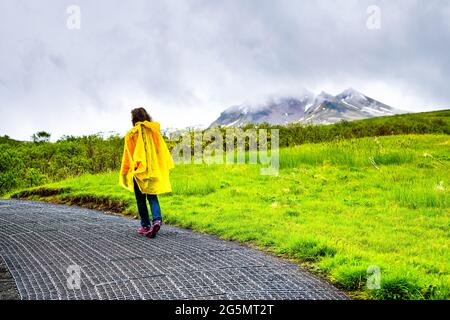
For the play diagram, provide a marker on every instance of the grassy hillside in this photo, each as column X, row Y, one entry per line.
column 411, row 123
column 338, row 208
column 27, row 164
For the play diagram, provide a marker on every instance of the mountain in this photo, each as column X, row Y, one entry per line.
column 282, row 110
column 321, row 109
column 348, row 105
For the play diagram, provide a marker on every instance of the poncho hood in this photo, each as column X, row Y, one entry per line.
column 152, row 125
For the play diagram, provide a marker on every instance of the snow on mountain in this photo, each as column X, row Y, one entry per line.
column 321, row 109
column 280, row 110
column 348, row 105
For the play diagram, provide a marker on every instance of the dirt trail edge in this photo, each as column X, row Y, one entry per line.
column 61, row 252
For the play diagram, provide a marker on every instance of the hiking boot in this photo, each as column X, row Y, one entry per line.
column 143, row 230
column 154, row 229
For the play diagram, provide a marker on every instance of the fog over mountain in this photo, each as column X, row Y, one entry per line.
column 306, row 108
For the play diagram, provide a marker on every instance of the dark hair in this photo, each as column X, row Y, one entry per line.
column 139, row 115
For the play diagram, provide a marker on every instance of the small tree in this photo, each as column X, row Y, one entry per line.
column 41, row 136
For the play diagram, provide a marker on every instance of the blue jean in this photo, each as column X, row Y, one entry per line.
column 142, row 206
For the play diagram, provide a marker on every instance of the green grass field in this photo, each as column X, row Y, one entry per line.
column 337, row 208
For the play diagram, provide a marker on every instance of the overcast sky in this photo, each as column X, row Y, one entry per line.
column 186, row 61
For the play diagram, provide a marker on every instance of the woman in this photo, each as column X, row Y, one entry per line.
column 146, row 162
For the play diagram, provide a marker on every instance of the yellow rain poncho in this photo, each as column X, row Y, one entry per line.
column 146, row 158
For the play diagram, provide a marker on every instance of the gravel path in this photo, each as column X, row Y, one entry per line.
column 46, row 246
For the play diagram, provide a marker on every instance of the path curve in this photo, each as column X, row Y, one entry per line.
column 39, row 241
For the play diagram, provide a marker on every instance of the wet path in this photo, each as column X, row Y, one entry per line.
column 39, row 242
